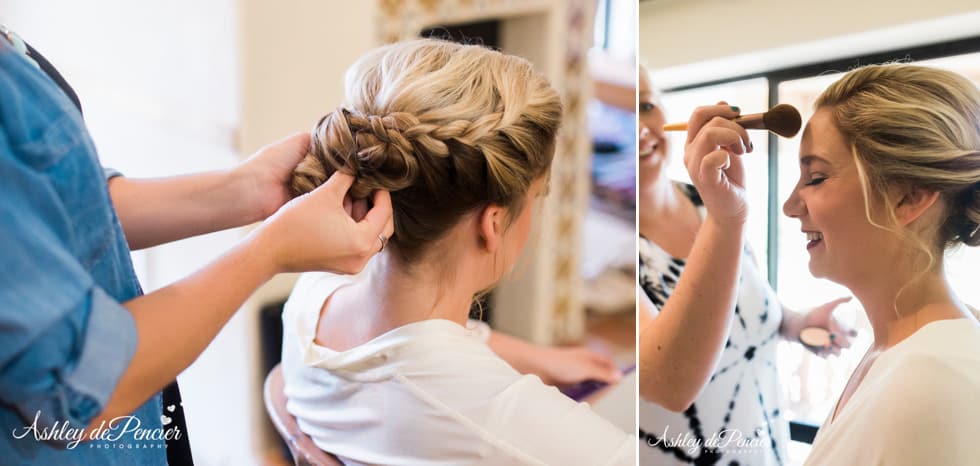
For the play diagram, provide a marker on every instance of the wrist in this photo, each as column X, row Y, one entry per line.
column 259, row 246
column 729, row 225
column 247, row 185
column 733, row 221
column 791, row 325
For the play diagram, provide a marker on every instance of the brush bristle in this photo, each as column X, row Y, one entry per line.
column 783, row 120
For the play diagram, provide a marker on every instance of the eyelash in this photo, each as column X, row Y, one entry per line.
column 815, row 181
column 647, row 106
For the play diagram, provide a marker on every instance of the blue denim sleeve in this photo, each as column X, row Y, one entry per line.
column 64, row 342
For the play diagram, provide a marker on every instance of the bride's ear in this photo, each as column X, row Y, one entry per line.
column 913, row 203
column 491, row 226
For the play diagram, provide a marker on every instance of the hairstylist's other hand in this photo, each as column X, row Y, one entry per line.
column 267, row 173
column 316, row 232
column 571, row 365
column 711, row 155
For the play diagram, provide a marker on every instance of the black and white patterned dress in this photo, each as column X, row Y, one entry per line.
column 737, row 418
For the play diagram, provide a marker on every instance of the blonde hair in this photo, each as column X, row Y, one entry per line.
column 914, row 127
column 446, row 128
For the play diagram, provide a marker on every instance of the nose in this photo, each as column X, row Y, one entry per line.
column 794, row 206
column 644, row 131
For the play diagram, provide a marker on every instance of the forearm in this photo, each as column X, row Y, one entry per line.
column 160, row 210
column 681, row 347
column 176, row 323
column 521, row 355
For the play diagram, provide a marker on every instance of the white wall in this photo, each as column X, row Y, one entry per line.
column 293, row 65
column 768, row 34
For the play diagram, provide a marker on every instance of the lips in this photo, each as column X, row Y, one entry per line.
column 646, row 151
column 813, row 238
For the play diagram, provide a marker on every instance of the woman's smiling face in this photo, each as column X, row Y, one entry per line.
column 652, row 139
column 829, row 202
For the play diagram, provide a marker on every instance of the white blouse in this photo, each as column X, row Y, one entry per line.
column 431, row 393
column 919, row 404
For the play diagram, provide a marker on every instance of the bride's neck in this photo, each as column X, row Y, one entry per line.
column 896, row 308
column 393, row 294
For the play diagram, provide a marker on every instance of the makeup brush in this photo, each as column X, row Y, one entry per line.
column 782, row 119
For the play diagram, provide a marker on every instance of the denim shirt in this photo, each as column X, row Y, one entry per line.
column 65, row 339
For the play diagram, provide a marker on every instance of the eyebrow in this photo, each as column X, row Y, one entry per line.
column 806, row 160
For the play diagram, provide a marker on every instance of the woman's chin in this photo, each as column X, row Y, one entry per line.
column 816, row 270
column 821, row 271
column 653, row 155
column 651, row 163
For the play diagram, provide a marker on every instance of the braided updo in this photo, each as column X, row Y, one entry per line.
column 446, row 128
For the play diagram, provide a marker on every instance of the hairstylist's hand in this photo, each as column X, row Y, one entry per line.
column 711, row 155
column 316, row 232
column 267, row 173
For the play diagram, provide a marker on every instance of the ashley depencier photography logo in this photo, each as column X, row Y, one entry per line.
column 126, row 428
column 728, row 440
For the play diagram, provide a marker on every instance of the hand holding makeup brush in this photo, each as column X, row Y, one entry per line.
column 783, row 119
column 711, row 152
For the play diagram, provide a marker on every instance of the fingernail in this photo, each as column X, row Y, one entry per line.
column 734, row 108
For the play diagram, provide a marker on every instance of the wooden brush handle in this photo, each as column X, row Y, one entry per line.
column 751, row 121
